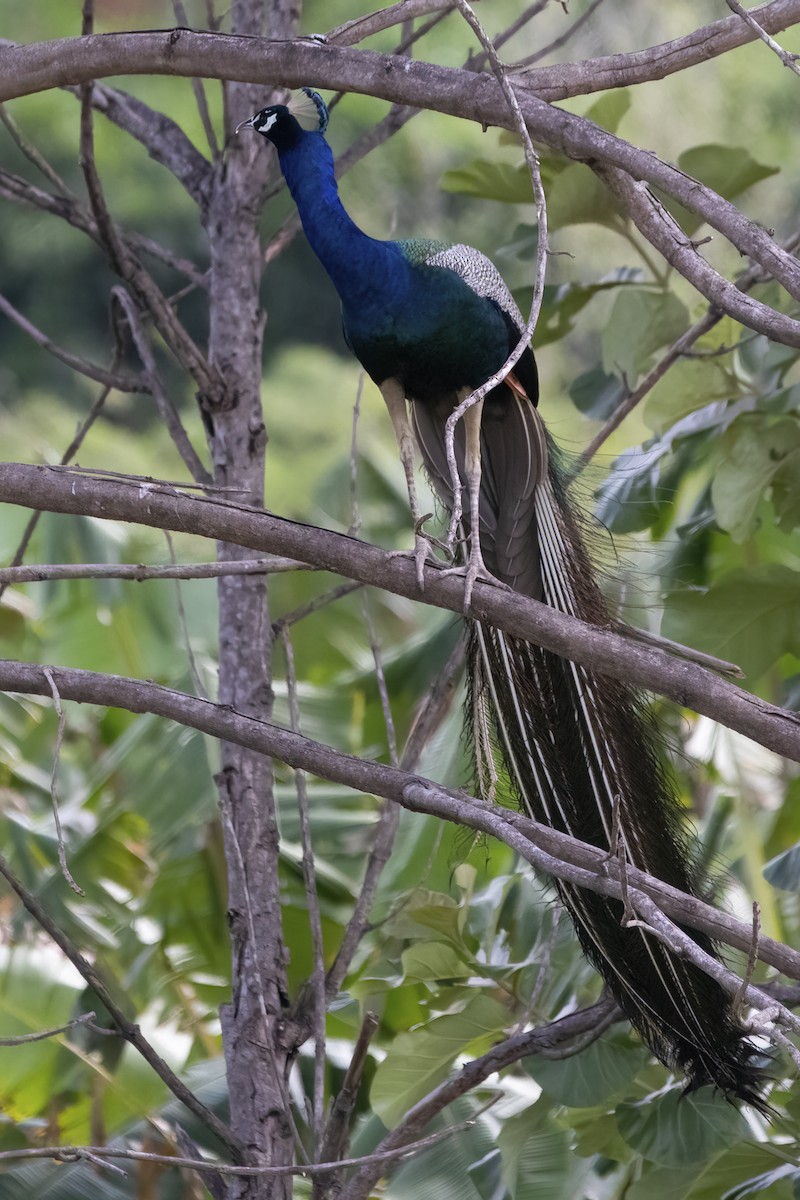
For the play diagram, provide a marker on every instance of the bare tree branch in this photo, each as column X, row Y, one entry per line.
column 587, row 1024
column 19, row 191
column 27, row 69
column 139, row 572
column 359, row 28
column 112, row 380
column 547, row 850
column 30, row 151
column 788, row 60
column 166, row 409
column 604, row 651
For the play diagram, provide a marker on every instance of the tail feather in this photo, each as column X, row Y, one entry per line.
column 578, row 749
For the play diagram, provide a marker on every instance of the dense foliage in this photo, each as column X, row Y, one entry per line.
column 697, row 511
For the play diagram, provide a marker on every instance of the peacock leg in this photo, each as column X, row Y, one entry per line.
column 395, row 400
column 475, row 568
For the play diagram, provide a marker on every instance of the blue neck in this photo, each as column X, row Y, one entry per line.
column 359, row 266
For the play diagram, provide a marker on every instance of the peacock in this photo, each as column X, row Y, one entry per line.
column 430, row 322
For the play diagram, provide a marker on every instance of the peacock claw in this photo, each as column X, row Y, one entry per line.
column 422, row 552
column 475, row 571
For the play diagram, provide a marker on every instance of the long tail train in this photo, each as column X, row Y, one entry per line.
column 581, row 756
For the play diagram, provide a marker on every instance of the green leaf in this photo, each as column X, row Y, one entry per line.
column 610, row 108
column 786, row 492
column 538, row 1163
column 641, row 322
column 596, row 394
column 729, row 170
column 749, row 617
column 687, row 387
column 577, row 197
column 754, row 451
column 784, row 870
column 434, row 960
column 562, row 304
column 603, row 1069
column 674, row 1129
column 725, row 1176
column 491, row 181
column 420, row 1059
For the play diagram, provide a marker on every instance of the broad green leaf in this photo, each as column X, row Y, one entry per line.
column 729, row 170
column 610, row 108
column 748, row 617
column 434, row 960
column 726, row 1175
column 786, row 492
column 538, row 1163
column 641, row 322
column 603, row 1069
column 420, row 1059
column 447, row 1170
column 491, row 181
column 753, row 452
column 674, row 1130
column 688, row 386
column 596, row 1132
column 577, row 197
column 561, row 305
column 596, row 394
column 784, row 871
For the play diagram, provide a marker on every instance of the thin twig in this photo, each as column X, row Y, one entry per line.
column 22, row 1038
column 752, row 960
column 69, row 453
column 62, row 721
column 199, row 90
column 166, row 408
column 106, row 994
column 187, row 641
column 305, row 610
column 101, row 1154
column 475, row 62
column 678, row 349
column 558, row 42
column 31, row 153
column 337, row 1132
column 139, row 572
column 587, row 1023
column 120, row 383
column 788, row 60
column 312, row 903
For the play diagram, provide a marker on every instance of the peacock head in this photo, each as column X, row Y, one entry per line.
column 282, row 124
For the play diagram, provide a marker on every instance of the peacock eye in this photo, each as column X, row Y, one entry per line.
column 266, row 122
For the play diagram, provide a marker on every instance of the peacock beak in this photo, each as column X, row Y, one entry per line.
column 248, row 124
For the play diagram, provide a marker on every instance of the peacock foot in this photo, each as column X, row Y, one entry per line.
column 475, row 571
column 423, row 551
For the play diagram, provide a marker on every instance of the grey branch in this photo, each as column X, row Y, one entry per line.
column 139, row 572
column 58, row 490
column 27, row 69
column 20, row 191
column 547, row 850
column 111, row 379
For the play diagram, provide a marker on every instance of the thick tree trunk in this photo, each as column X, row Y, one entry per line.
column 256, row 1065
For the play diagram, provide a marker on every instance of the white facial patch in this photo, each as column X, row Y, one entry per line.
column 267, row 125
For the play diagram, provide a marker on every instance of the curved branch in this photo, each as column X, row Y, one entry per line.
column 657, row 62
column 162, row 507
column 43, row 65
column 547, row 850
